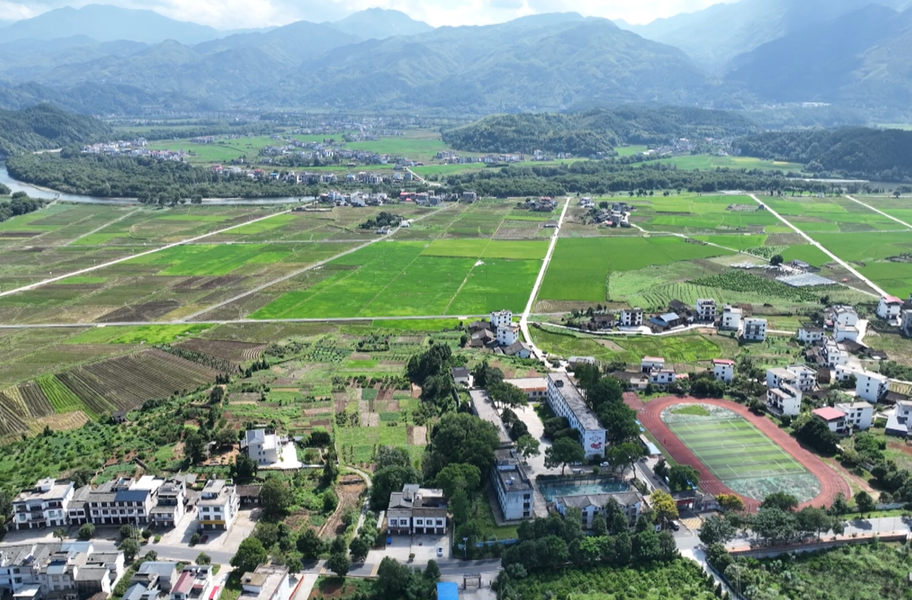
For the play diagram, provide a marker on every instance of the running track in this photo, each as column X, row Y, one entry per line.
column 649, row 415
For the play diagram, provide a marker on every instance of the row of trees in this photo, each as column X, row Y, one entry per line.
column 19, row 204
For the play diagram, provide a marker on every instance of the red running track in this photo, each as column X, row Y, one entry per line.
column 650, row 413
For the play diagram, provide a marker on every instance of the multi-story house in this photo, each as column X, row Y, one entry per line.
column 648, row 363
column 566, row 401
column 858, row 415
column 124, row 501
column 889, row 308
column 263, row 446
column 169, row 509
column 58, row 570
column 631, row 502
column 631, row 317
column 45, row 505
column 809, row 333
column 706, row 310
column 512, row 486
column 870, row 386
column 724, row 369
column 417, row 510
column 754, row 330
column 218, row 505
column 266, row 582
column 731, row 318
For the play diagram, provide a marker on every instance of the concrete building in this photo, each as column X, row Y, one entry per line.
column 631, row 317
column 842, row 333
column 784, row 401
column 731, row 318
column 724, row 369
column 754, row 330
column 267, row 582
column 461, row 376
column 78, row 507
column 905, row 321
column 41, row 571
column 805, row 377
column 843, row 315
column 417, row 510
column 590, row 505
column 889, row 308
column 218, row 505
column 809, row 333
column 45, row 505
column 900, row 423
column 535, row 388
column 835, row 354
column 870, row 386
column 508, row 335
column 483, row 408
column 833, row 417
column 662, row 376
column 124, row 501
column 512, row 486
column 648, row 363
column 501, row 318
column 858, row 415
column 153, row 580
column 169, row 509
column 706, row 310
column 263, row 446
column 566, row 401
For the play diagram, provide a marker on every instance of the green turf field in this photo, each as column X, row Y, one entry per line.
column 738, row 454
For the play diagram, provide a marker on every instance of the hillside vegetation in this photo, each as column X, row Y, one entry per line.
column 882, row 155
column 45, row 127
column 594, row 131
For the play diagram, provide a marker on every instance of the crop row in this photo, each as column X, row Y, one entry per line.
column 61, row 397
column 89, row 390
column 10, row 416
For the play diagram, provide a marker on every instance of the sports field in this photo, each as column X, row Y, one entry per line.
column 738, row 454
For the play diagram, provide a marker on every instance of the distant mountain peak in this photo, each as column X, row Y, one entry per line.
column 380, row 23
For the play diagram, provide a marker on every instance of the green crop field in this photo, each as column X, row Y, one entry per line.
column 137, row 334
column 679, row 349
column 580, row 267
column 693, row 213
column 707, row 162
column 739, row 455
column 829, row 215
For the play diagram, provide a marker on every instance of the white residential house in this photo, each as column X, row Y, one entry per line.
column 842, row 333
column 218, row 505
column 706, row 310
column 859, row 415
column 501, row 318
column 651, row 362
column 51, row 570
column 900, row 423
column 835, row 353
column 889, row 308
column 724, row 369
column 784, row 400
column 124, row 501
column 809, row 333
column 905, row 321
column 265, row 448
column 777, row 377
column 630, row 317
column 566, row 401
column 169, row 508
column 513, row 486
column 731, row 318
column 843, row 372
column 806, row 377
column 833, row 417
column 266, row 582
column 754, row 330
column 417, row 510
column 45, row 505
column 590, row 505
column 843, row 315
column 508, row 335
column 662, row 376
column 461, row 376
column 870, row 386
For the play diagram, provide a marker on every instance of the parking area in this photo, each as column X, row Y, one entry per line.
column 536, row 464
column 424, row 547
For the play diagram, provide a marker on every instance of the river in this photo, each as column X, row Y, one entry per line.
column 37, row 192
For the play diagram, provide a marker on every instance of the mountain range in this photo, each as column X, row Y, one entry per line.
column 751, row 53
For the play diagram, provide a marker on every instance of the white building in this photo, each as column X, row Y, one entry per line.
column 731, row 318
column 706, row 310
column 461, row 376
column 566, row 401
column 662, row 376
column 417, row 510
column 842, row 333
column 265, row 448
column 508, row 335
column 267, row 582
column 501, row 318
column 512, row 486
column 870, row 386
column 900, row 423
column 843, row 315
column 777, row 377
column 809, row 333
column 651, row 362
column 535, row 388
column 833, row 417
column 45, row 505
column 905, row 321
column 889, row 308
column 858, row 415
column 806, row 377
column 57, row 570
column 724, row 370
column 590, row 505
column 631, row 317
column 169, row 507
column 784, row 400
column 835, row 354
column 754, row 330
column 124, row 501
column 218, row 505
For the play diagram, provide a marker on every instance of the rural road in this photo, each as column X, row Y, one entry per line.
column 132, row 256
column 819, row 246
column 294, row 274
column 524, row 320
column 880, row 212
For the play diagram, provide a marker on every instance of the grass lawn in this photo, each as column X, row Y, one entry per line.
column 678, row 349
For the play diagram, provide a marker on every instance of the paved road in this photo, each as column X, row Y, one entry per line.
column 811, row 241
column 524, row 320
column 132, row 256
column 880, row 212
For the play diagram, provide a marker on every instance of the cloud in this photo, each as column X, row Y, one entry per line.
column 233, row 14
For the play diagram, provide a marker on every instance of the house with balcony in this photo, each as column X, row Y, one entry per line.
column 417, row 510
column 45, row 505
column 724, row 369
column 630, row 317
column 45, row 570
column 124, row 501
column 706, row 310
column 809, row 333
column 754, row 330
column 889, row 308
column 858, row 415
column 834, row 418
column 218, row 505
column 591, row 505
column 169, row 507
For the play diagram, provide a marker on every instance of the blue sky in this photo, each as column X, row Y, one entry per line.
column 231, row 14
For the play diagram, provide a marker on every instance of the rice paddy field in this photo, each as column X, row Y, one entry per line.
column 738, row 454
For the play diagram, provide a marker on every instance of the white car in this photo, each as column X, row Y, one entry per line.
column 439, row 552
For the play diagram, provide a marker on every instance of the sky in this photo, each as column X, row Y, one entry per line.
column 234, row 14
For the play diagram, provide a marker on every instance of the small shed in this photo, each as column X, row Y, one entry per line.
column 447, row 590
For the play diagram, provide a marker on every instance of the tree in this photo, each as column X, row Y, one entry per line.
column 310, row 545
column 127, row 531
column 864, row 502
column 339, row 564
column 388, row 480
column 507, row 394
column 777, row 260
column 622, row 456
column 130, row 548
column 563, row 452
column 661, row 469
column 457, row 476
column 716, row 530
column 225, row 437
column 813, row 520
column 216, row 395
column 194, row 447
column 392, row 456
column 330, row 501
column 203, row 559
column 250, row 554
column 359, row 549
column 781, row 500
column 816, row 434
column 60, row 534
column 527, row 446
column 599, row 526
column 432, row 571
column 461, row 438
column 86, row 532
column 775, row 525
column 393, row 580
column 730, row 502
column 245, row 468
column 275, row 498
column 587, row 375
column 840, row 505
column 664, row 506
column 486, row 376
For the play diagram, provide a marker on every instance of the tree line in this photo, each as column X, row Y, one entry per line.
column 18, row 204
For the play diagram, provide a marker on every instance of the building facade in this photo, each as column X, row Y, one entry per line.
column 45, row 505
column 512, row 486
column 754, row 330
column 724, row 370
column 566, row 401
column 218, row 505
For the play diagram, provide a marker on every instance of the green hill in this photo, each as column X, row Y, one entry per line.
column 45, row 127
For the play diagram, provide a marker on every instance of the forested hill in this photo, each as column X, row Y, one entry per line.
column 877, row 154
column 46, row 127
column 594, row 131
